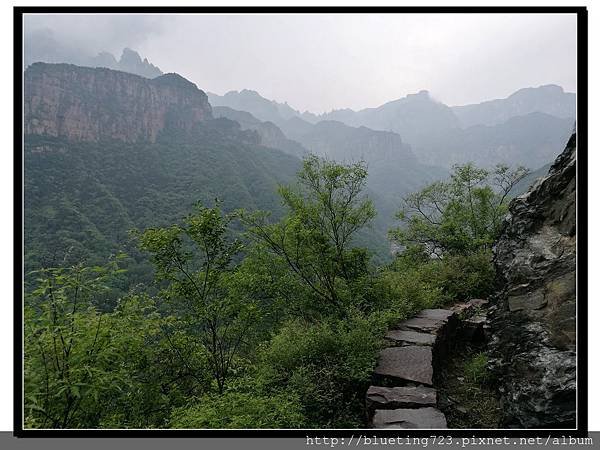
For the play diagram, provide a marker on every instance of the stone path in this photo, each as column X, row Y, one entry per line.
column 405, row 396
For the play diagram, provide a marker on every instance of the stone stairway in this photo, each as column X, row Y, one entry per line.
column 404, row 395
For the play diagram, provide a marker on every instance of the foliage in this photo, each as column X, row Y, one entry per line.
column 461, row 215
column 282, row 331
column 82, row 198
column 476, row 368
column 315, row 239
column 195, row 260
column 327, row 364
column 68, row 347
column 240, row 410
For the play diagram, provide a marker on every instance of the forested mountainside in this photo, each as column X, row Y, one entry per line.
column 106, row 152
column 394, row 171
column 269, row 133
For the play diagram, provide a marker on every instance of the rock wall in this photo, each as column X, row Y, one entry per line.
column 86, row 104
column 533, row 321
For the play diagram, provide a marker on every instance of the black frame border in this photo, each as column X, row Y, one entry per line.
column 582, row 223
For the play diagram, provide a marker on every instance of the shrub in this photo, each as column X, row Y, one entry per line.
column 462, row 277
column 328, row 365
column 240, row 410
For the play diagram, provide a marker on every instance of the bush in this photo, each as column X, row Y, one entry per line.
column 409, row 291
column 328, row 365
column 240, row 410
column 462, row 277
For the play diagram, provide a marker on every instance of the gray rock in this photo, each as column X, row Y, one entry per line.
column 422, row 324
column 412, row 363
column 430, row 418
column 400, row 397
column 436, row 314
column 408, row 337
column 532, row 323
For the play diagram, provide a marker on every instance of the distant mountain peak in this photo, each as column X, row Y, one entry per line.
column 545, row 89
column 423, row 93
column 174, row 79
column 132, row 62
column 549, row 99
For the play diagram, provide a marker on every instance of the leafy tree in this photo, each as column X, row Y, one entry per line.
column 314, row 240
column 461, row 215
column 194, row 261
column 68, row 347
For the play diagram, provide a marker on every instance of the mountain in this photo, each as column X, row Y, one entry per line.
column 413, row 114
column 130, row 62
column 85, row 104
column 42, row 46
column 409, row 116
column 549, row 99
column 108, row 151
column 261, row 108
column 531, row 140
column 527, row 128
column 394, row 170
column 529, row 180
column 269, row 134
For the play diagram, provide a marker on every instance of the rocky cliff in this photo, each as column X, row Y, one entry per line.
column 91, row 105
column 533, row 322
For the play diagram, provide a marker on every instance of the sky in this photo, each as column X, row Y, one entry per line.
column 333, row 61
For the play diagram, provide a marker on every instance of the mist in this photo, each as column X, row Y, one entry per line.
column 322, row 62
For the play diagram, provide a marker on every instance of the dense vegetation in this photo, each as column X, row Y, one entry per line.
column 252, row 320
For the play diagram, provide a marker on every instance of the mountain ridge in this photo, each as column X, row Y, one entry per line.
column 94, row 104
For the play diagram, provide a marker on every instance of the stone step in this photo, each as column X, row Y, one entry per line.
column 379, row 397
column 408, row 337
column 422, row 325
column 409, row 418
column 402, row 364
column 436, row 314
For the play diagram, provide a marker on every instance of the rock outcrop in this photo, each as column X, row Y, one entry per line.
column 83, row 104
column 534, row 319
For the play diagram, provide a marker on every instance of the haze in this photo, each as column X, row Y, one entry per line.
column 332, row 61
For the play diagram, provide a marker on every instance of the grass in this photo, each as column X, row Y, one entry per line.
column 476, row 369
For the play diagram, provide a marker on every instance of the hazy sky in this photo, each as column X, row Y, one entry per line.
column 324, row 62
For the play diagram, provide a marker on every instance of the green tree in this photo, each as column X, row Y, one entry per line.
column 458, row 216
column 194, row 263
column 314, row 240
column 68, row 347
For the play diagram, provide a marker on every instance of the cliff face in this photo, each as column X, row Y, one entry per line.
column 89, row 105
column 534, row 322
